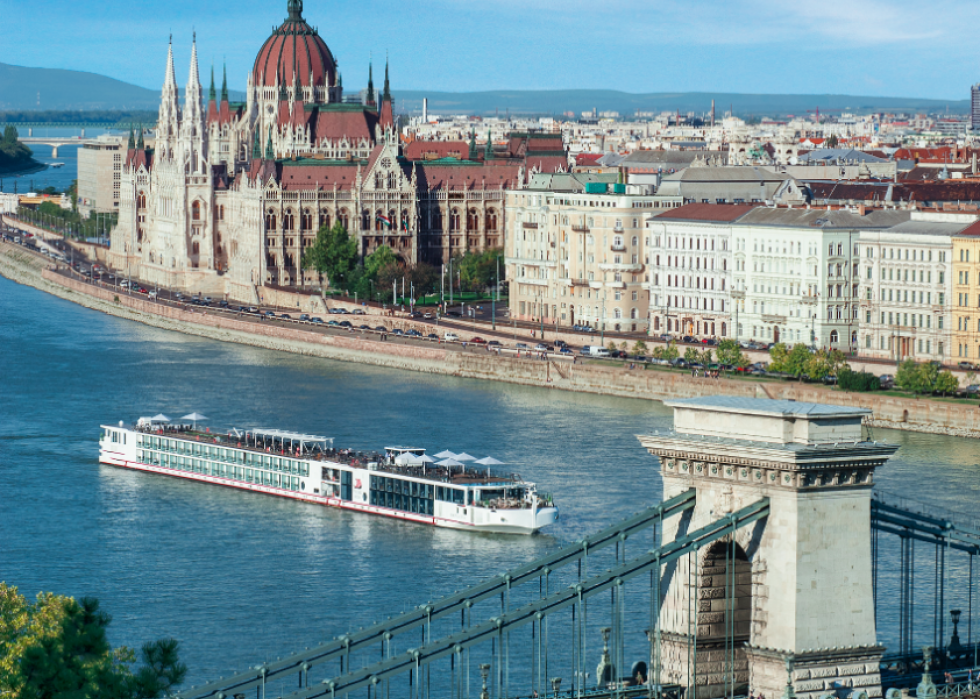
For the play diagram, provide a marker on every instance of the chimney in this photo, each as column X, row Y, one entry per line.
column 974, row 167
column 862, row 210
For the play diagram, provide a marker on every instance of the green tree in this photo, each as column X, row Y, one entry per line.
column 670, row 352
column 478, row 270
column 333, row 253
column 946, row 383
column 792, row 361
column 690, row 355
column 913, row 377
column 56, row 648
column 10, row 134
column 832, row 141
column 639, row 347
column 729, row 352
column 705, row 357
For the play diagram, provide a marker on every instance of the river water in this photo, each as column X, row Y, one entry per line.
column 58, row 177
column 240, row 578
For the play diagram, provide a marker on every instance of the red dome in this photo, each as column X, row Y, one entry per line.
column 295, row 44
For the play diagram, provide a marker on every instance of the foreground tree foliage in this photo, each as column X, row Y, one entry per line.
column 800, row 362
column 56, row 648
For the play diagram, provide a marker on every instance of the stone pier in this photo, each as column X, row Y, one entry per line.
column 794, row 586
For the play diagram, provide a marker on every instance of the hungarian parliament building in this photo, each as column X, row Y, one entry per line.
column 231, row 194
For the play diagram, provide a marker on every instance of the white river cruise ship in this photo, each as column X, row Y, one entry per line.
column 402, row 482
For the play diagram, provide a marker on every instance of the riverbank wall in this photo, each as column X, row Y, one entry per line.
column 923, row 415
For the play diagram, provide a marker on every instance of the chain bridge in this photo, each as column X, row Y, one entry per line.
column 763, row 570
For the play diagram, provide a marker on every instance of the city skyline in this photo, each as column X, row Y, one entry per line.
column 759, row 46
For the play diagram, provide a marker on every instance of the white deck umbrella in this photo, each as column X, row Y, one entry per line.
column 445, row 455
column 425, row 459
column 405, row 458
column 448, row 463
column 465, row 457
column 195, row 418
column 490, row 461
column 160, row 417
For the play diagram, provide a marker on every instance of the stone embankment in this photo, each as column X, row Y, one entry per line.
column 940, row 417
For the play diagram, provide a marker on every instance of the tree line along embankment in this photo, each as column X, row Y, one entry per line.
column 939, row 417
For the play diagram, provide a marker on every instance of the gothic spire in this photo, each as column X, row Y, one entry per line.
column 212, row 95
column 283, row 95
column 297, row 88
column 370, row 90
column 170, row 80
column 269, row 154
column 473, row 144
column 224, row 83
column 140, row 144
column 488, row 152
column 132, row 140
column 387, row 93
column 194, row 79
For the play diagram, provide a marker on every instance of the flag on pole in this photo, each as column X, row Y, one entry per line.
column 385, row 220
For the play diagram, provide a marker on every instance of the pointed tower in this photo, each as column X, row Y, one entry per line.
column 224, row 83
column 257, row 146
column 140, row 144
column 370, row 89
column 192, row 131
column 386, row 119
column 212, row 101
column 473, row 154
column 488, row 151
column 132, row 140
column 269, row 153
column 168, row 118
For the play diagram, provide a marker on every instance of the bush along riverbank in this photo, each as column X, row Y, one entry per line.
column 14, row 155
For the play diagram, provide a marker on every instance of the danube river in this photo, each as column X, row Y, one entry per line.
column 239, row 578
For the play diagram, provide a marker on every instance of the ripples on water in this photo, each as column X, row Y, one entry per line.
column 240, row 578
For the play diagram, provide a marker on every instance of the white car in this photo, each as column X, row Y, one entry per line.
column 451, row 337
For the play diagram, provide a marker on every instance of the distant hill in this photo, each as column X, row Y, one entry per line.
column 578, row 101
column 77, row 90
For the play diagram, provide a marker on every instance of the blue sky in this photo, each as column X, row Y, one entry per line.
column 866, row 47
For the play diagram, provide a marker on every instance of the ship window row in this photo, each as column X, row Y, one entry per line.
column 232, row 456
column 406, row 503
column 400, row 487
column 208, row 468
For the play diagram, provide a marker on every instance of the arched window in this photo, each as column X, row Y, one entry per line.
column 437, row 218
column 221, row 212
column 491, row 223
column 195, row 248
column 854, row 338
column 324, row 218
column 270, row 220
column 141, row 201
column 366, row 220
column 472, row 220
column 378, row 221
column 454, row 220
column 617, row 313
column 393, row 220
column 307, row 220
column 834, row 337
column 287, row 220
column 196, row 211
column 391, row 180
column 378, row 182
column 636, row 241
column 724, row 330
column 633, row 314
column 344, row 217
column 404, row 220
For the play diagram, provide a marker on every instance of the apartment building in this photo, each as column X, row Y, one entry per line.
column 690, row 272
column 759, row 273
column 577, row 251
column 99, row 174
column 965, row 296
column 907, row 287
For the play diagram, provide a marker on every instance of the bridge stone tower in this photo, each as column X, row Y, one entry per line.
column 796, row 585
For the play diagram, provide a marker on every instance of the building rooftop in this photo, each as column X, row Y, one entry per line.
column 821, row 218
column 713, row 213
column 767, row 406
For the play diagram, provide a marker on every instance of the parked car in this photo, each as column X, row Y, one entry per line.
column 432, row 336
column 709, row 341
column 358, row 312
column 688, row 339
column 381, row 329
column 561, row 343
column 304, row 317
column 478, row 341
column 345, row 324
column 286, row 316
column 541, row 347
column 333, row 323
column 521, row 345
column 966, row 366
column 971, row 391
column 413, row 333
column 363, row 327
column 493, row 343
column 253, row 309
column 886, row 381
column 451, row 337
column 428, row 316
column 565, row 350
column 397, row 331
column 454, row 314
column 222, row 304
column 317, row 320
column 679, row 362
column 152, row 295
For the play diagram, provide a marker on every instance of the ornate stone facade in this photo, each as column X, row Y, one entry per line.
column 232, row 194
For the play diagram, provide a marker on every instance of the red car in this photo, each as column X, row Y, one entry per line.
column 478, row 341
column 142, row 290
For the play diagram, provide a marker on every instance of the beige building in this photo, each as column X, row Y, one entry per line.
column 100, row 174
column 577, row 251
column 965, row 297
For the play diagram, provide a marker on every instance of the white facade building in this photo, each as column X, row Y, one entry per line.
column 907, row 287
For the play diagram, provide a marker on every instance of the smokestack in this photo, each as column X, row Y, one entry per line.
column 425, row 110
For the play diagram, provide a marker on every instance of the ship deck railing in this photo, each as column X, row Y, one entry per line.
column 454, row 475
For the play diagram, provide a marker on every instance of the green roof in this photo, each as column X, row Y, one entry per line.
column 450, row 160
column 316, row 161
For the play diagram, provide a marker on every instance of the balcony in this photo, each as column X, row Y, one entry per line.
column 529, row 226
column 621, row 267
column 621, row 247
column 581, row 228
column 579, row 282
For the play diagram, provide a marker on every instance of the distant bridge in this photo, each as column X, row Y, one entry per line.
column 56, row 143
